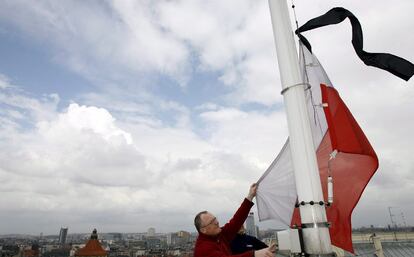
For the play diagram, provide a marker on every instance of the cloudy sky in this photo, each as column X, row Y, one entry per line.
column 125, row 115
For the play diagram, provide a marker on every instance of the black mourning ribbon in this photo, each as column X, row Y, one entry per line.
column 389, row 62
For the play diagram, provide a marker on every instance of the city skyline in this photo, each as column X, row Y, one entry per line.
column 136, row 114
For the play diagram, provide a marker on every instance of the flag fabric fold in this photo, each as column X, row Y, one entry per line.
column 333, row 128
column 277, row 192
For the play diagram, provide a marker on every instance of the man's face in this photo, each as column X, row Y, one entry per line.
column 209, row 224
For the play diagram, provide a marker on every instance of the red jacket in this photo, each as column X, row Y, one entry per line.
column 219, row 246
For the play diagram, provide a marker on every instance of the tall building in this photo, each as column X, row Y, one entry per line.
column 172, row 238
column 62, row 236
column 250, row 225
column 151, row 232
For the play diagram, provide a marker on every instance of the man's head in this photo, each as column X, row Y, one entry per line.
column 207, row 224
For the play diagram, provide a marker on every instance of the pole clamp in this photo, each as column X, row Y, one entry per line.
column 321, row 255
column 316, row 225
column 295, row 85
column 321, row 203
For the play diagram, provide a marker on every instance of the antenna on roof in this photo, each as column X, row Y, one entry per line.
column 393, row 223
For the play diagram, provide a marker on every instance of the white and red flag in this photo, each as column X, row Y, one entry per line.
column 335, row 133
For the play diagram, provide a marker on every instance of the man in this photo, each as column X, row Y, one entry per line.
column 243, row 242
column 214, row 241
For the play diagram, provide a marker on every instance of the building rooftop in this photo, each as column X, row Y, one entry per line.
column 390, row 249
column 92, row 247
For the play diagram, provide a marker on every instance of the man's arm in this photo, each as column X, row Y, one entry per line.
column 230, row 229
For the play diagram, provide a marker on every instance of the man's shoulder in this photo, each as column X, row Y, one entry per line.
column 204, row 245
column 204, row 240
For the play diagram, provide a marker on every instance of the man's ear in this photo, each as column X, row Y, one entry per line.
column 203, row 230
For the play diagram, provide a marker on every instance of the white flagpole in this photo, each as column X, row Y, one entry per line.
column 315, row 232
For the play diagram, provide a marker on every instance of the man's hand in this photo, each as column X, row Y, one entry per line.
column 252, row 192
column 266, row 252
column 272, row 247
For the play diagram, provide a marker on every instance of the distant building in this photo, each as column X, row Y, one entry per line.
column 117, row 236
column 154, row 243
column 140, row 252
column 62, row 236
column 92, row 248
column 113, row 236
column 250, row 225
column 9, row 250
column 184, row 234
column 33, row 251
column 172, row 238
column 57, row 252
column 178, row 239
column 151, row 232
column 138, row 244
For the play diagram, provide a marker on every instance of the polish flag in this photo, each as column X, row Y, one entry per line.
column 343, row 152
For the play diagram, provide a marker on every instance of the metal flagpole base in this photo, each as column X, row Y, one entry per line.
column 322, row 255
column 315, row 255
column 302, row 243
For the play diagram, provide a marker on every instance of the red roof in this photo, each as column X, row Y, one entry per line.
column 92, row 247
column 31, row 253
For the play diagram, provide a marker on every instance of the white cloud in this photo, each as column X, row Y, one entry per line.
column 243, row 53
column 146, row 45
column 112, row 43
column 18, row 105
column 122, row 155
column 255, row 136
column 122, row 41
column 4, row 81
column 84, row 118
column 81, row 161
